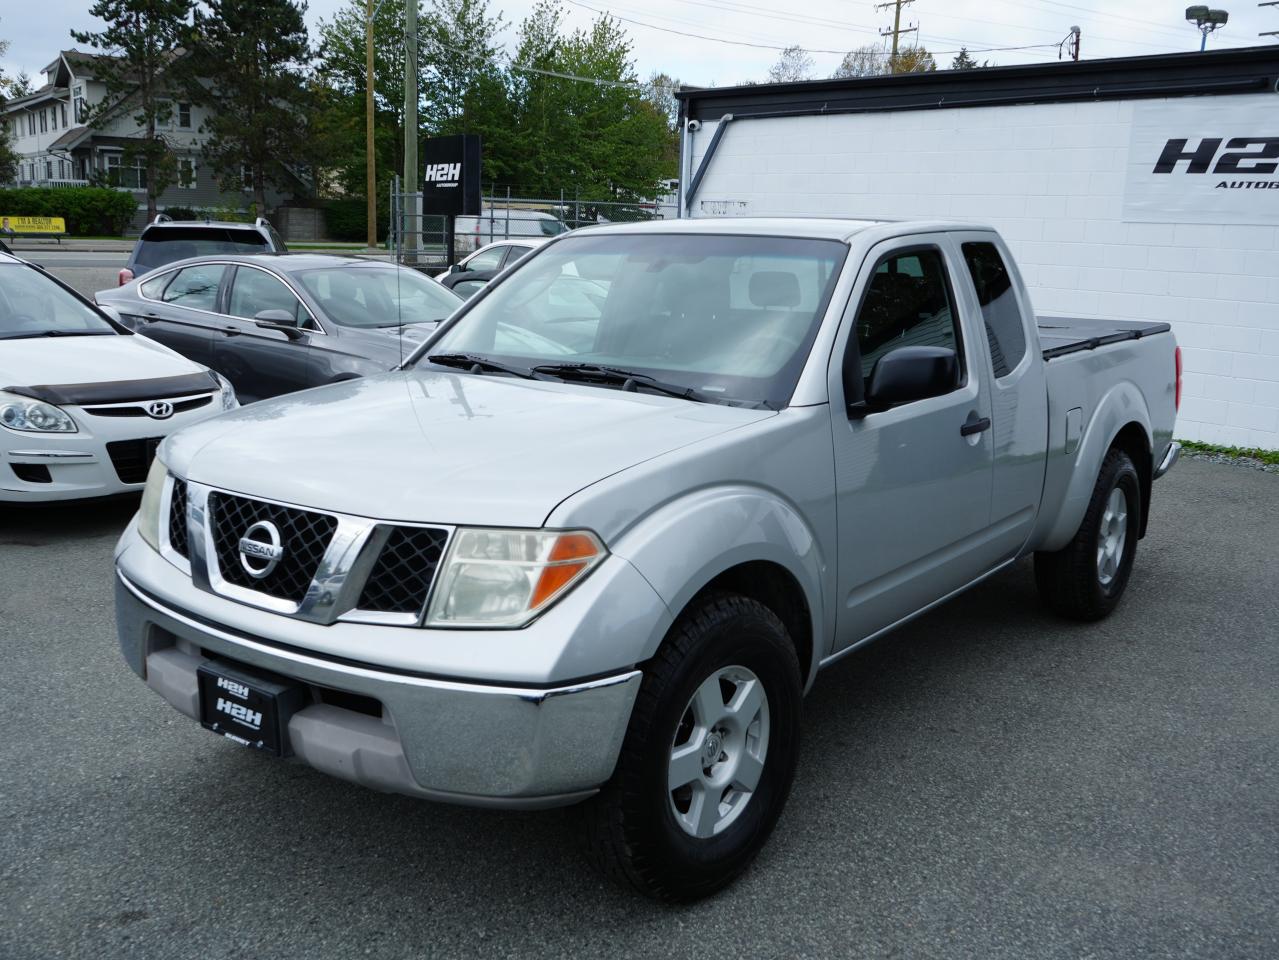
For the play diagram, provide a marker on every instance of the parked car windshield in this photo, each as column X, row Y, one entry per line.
column 731, row 316
column 378, row 295
column 165, row 245
column 32, row 305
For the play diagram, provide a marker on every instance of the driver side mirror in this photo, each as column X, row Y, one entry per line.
column 905, row 375
column 281, row 320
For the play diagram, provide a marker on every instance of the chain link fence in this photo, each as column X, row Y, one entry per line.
column 422, row 241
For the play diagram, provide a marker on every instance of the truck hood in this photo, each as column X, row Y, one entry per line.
column 440, row 447
column 101, row 359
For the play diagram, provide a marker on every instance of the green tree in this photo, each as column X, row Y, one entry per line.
column 246, row 67
column 340, row 72
column 8, row 159
column 464, row 86
column 964, row 61
column 143, row 40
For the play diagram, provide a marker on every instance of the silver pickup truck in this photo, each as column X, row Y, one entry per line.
column 600, row 535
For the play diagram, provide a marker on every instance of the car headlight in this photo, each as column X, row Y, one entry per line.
column 149, row 509
column 229, row 401
column 504, row 578
column 33, row 416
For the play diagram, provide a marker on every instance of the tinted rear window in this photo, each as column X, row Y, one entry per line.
column 160, row 247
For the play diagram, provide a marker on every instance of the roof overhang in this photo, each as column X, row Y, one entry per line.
column 1239, row 70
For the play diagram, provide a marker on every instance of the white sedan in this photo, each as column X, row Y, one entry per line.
column 83, row 401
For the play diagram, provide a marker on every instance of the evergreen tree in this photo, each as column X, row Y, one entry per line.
column 8, row 159
column 964, row 61
column 245, row 67
column 144, row 40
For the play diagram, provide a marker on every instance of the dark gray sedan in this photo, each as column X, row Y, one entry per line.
column 272, row 324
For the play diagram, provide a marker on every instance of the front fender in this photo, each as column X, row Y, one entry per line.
column 1121, row 405
column 685, row 544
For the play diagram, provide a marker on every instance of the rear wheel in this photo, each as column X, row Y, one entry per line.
column 709, row 754
column 1086, row 579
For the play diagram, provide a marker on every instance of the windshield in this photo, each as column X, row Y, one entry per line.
column 730, row 316
column 32, row 305
column 378, row 295
column 165, row 245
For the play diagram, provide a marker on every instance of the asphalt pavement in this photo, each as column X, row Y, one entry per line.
column 987, row 783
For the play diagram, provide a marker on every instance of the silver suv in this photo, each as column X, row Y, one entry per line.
column 165, row 241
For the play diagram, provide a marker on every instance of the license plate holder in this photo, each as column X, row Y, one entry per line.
column 249, row 708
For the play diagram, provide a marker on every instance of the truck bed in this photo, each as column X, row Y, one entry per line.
column 1063, row 335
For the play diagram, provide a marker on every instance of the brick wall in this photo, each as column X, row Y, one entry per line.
column 1050, row 178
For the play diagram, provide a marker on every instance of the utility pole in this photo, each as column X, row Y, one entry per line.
column 370, row 176
column 414, row 202
column 897, row 30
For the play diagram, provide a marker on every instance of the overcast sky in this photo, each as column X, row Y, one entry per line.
column 1110, row 29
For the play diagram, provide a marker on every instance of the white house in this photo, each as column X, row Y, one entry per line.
column 56, row 146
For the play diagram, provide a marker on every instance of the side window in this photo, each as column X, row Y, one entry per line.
column 255, row 290
column 518, row 253
column 489, row 259
column 195, row 287
column 151, row 289
column 999, row 308
column 907, row 304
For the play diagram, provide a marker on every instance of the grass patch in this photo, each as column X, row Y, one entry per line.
column 1255, row 453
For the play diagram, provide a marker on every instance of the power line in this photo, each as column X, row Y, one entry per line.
column 772, row 46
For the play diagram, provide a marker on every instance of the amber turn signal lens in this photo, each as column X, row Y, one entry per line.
column 571, row 555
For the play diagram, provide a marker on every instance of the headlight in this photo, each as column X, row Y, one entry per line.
column 504, row 578
column 33, row 416
column 228, row 392
column 149, row 509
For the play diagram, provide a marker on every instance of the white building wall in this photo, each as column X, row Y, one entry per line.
column 1051, row 179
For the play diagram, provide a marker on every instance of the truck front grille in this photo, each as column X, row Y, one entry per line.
column 304, row 537
column 178, row 518
column 401, row 578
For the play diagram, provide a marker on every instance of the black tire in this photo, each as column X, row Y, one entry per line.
column 631, row 829
column 1068, row 579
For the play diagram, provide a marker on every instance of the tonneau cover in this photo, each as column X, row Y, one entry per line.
column 1062, row 335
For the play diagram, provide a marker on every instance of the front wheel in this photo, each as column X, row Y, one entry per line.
column 1086, row 578
column 709, row 754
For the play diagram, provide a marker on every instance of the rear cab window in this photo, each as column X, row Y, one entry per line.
column 1000, row 311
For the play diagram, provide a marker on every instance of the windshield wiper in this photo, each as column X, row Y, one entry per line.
column 478, row 364
column 629, row 379
column 57, row 333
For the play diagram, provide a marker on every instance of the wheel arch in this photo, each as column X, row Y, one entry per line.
column 1121, row 419
column 742, row 539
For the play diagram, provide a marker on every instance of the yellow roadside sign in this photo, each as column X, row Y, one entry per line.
column 20, row 225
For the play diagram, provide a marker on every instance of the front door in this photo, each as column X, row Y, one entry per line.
column 913, row 486
column 263, row 363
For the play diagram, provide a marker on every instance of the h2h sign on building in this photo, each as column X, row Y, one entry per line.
column 451, row 176
column 1204, row 160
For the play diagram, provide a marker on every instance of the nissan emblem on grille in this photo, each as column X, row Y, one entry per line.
column 260, row 549
column 160, row 409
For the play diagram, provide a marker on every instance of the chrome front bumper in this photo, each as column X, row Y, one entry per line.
column 470, row 743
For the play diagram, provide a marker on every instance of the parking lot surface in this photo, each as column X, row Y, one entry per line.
column 988, row 783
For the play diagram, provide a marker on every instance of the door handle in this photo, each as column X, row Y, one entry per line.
column 974, row 426
column 231, row 331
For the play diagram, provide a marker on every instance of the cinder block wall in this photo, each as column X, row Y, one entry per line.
column 1050, row 178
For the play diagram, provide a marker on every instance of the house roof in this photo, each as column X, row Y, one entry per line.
column 71, row 139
